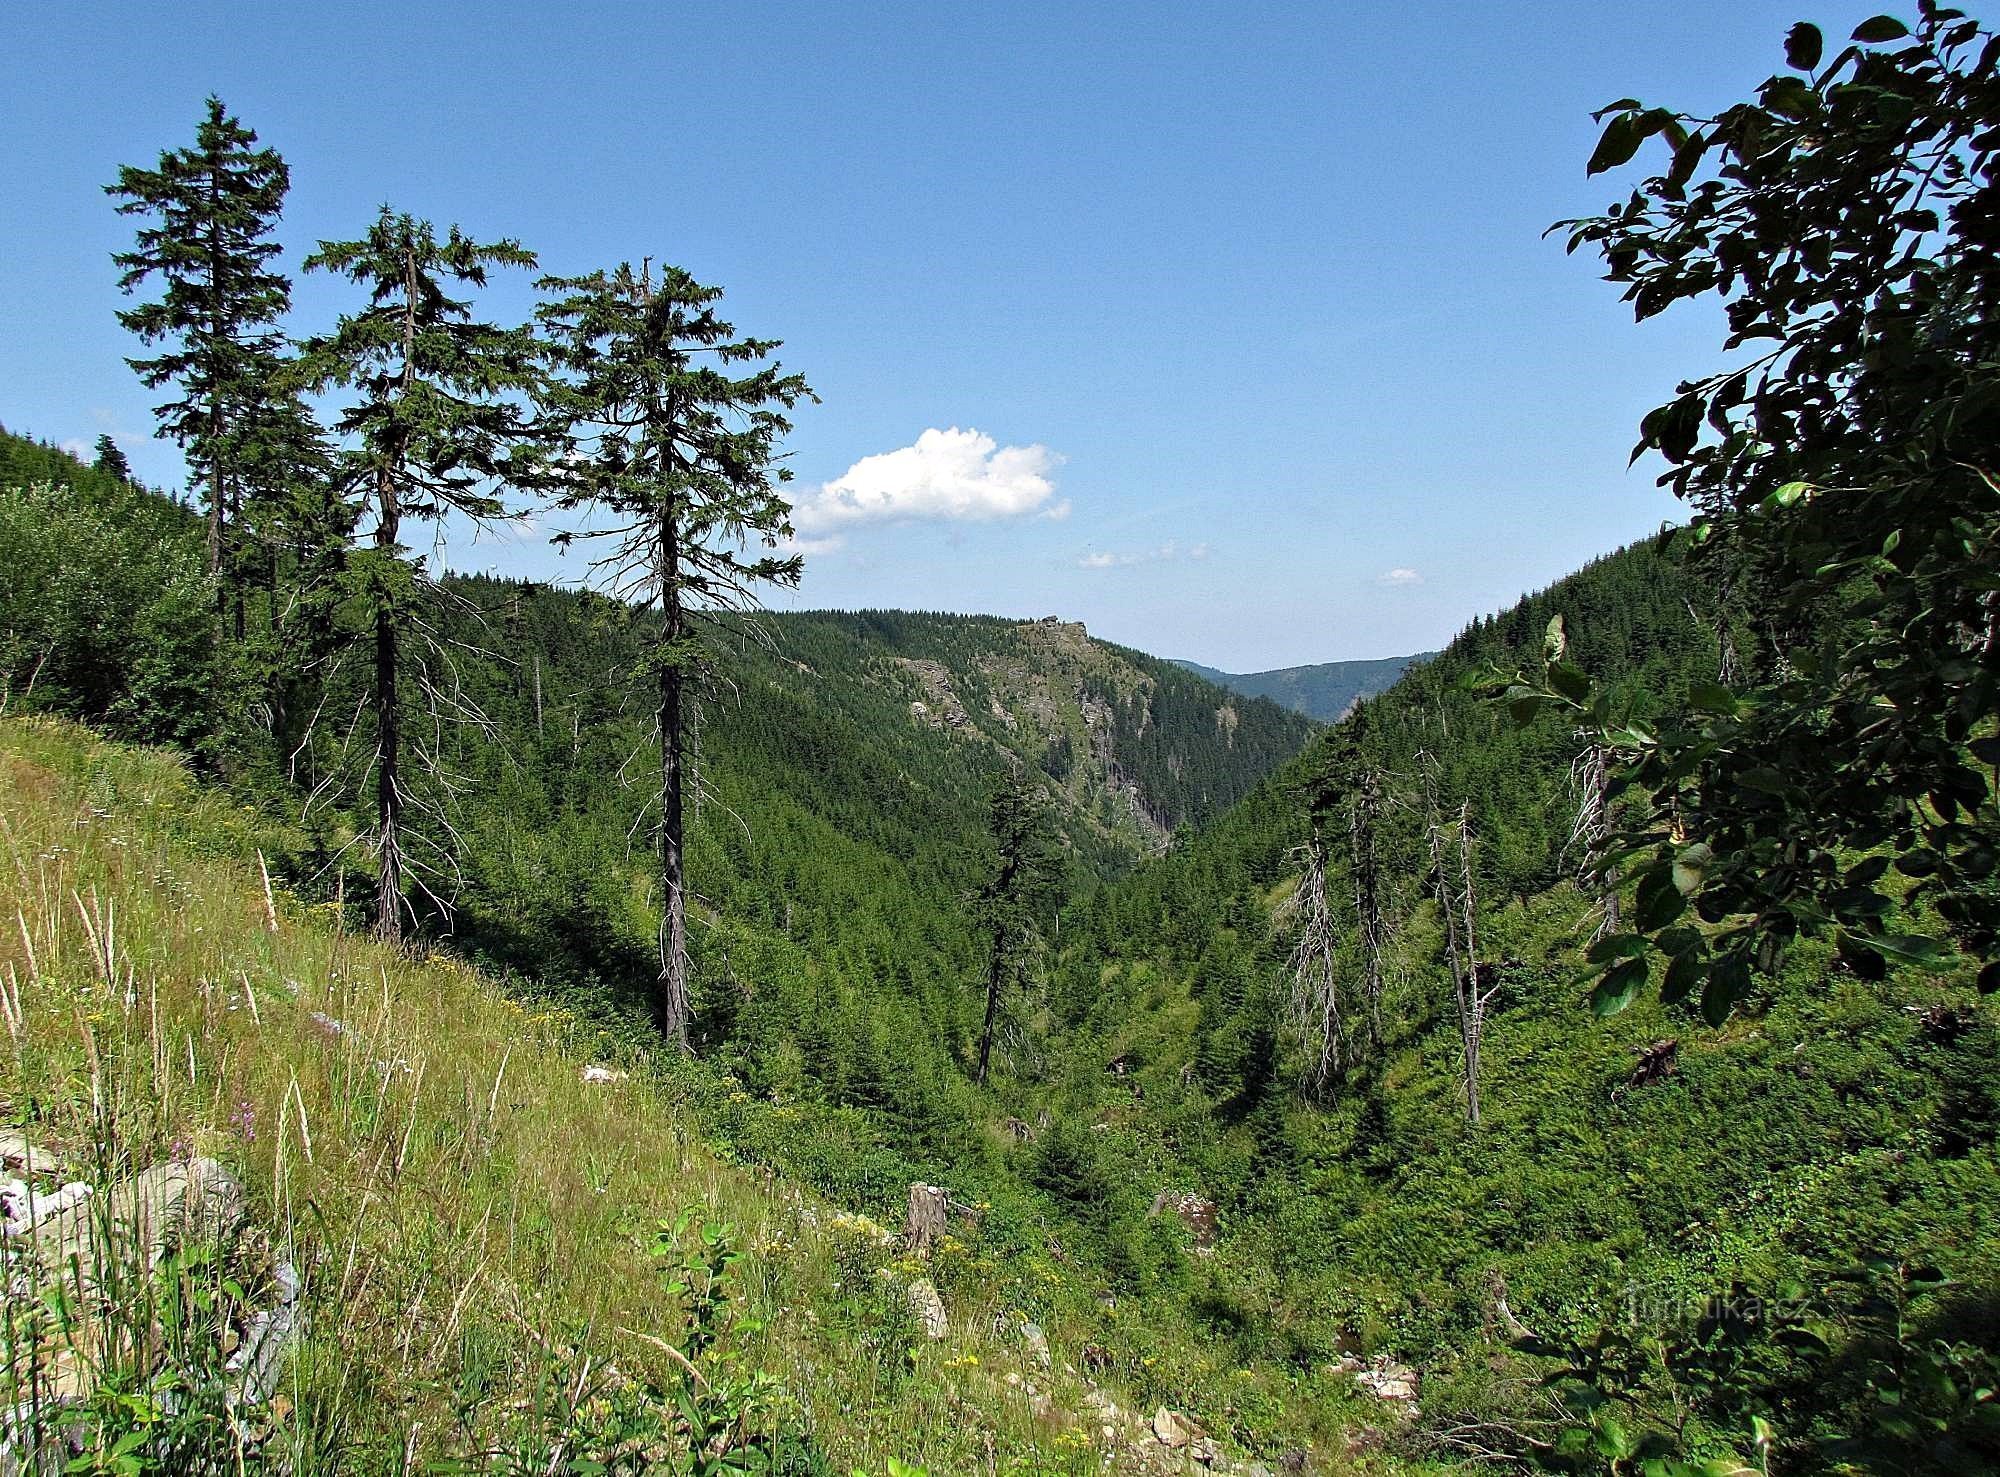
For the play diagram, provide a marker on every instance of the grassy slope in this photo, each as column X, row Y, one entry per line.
column 471, row 1216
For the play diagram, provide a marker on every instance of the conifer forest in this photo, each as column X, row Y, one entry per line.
column 463, row 1019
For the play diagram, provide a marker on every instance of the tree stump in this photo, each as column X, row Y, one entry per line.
column 930, row 1206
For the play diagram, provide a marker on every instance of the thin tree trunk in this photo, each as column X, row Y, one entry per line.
column 673, row 983
column 674, row 1003
column 1456, row 907
column 1589, row 777
column 1368, row 896
column 1473, row 1010
column 388, row 711
column 994, row 971
column 388, row 740
column 1315, row 1004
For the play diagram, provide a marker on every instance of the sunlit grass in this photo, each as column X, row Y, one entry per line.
column 471, row 1218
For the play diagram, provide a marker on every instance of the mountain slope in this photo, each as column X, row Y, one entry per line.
column 1325, row 691
column 505, row 1260
column 1643, row 1162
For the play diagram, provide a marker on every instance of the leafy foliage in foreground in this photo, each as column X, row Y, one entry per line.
column 1843, row 477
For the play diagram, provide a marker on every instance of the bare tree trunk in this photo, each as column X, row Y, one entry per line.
column 1364, row 808
column 1457, row 910
column 388, row 738
column 1472, row 1009
column 929, row 1215
column 1315, row 975
column 1589, row 777
column 673, row 1001
column 388, row 707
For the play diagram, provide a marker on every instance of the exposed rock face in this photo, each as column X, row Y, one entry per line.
column 1170, row 1429
column 126, row 1230
column 939, row 707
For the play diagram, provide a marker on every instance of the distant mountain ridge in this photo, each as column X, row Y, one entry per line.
column 1321, row 690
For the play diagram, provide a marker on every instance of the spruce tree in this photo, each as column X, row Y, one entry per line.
column 212, row 208
column 437, row 425
column 1010, row 905
column 112, row 460
column 677, row 453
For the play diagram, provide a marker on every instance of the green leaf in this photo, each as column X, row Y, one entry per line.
column 1803, row 46
column 1728, row 982
column 1570, row 681
column 1618, row 988
column 1523, row 705
column 1660, row 901
column 1612, row 1441
column 1712, row 697
column 1619, row 143
column 1913, row 949
column 1691, row 866
column 1615, row 946
column 1683, row 974
column 1881, row 28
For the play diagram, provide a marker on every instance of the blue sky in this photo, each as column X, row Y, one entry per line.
column 1227, row 329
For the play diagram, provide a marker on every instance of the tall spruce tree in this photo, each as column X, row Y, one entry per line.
column 438, row 425
column 678, row 454
column 1026, row 874
column 212, row 209
column 111, row 459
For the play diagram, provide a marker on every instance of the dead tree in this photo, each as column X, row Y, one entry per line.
column 1315, row 998
column 1364, row 811
column 1588, row 832
column 1457, row 901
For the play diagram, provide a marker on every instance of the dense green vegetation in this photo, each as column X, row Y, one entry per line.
column 840, row 963
column 1250, row 1056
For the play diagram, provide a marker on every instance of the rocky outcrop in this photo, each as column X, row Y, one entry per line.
column 927, row 1307
column 1395, row 1384
column 110, row 1237
column 940, row 706
column 1196, row 1212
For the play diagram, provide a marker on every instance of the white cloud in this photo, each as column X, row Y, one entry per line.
column 1161, row 555
column 950, row 475
column 79, row 450
column 1399, row 577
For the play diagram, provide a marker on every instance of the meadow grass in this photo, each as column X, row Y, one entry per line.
column 486, row 1239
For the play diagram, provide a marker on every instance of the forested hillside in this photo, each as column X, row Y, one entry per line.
column 1154, row 1142
column 1322, row 690
column 1576, row 1058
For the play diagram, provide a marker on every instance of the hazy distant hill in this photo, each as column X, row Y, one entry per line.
column 1324, row 690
